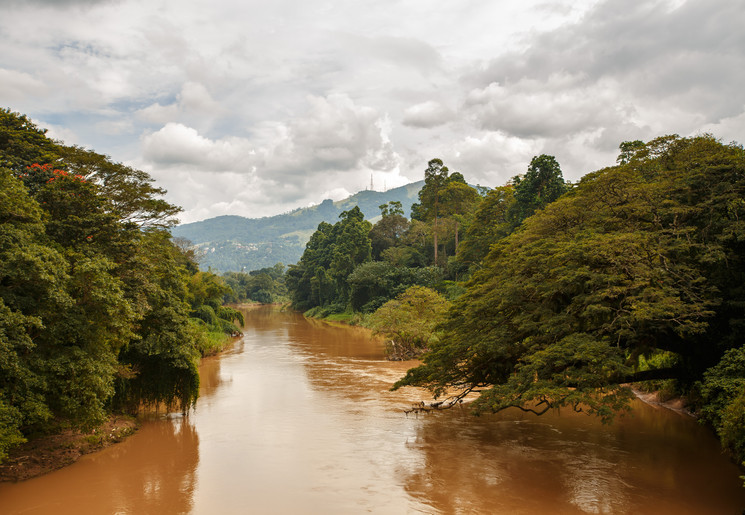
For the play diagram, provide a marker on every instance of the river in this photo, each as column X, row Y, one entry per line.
column 298, row 418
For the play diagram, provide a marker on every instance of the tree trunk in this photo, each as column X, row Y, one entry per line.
column 434, row 233
column 456, row 237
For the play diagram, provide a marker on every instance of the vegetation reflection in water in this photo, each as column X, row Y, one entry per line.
column 298, row 417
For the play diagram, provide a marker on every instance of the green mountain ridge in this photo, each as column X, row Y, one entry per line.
column 236, row 243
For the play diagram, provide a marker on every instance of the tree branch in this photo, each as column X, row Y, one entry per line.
column 448, row 403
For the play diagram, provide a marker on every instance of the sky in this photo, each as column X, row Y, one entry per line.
column 255, row 108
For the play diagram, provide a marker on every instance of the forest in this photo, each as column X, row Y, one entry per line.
column 537, row 294
column 101, row 311
column 232, row 243
column 541, row 294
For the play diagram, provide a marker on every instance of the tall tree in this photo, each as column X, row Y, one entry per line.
column 542, row 184
column 459, row 200
column 332, row 253
column 489, row 225
column 387, row 231
column 428, row 207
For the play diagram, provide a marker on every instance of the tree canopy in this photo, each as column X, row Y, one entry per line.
column 332, row 253
column 409, row 321
column 637, row 259
column 93, row 292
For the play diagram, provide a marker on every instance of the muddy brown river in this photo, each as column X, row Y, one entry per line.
column 297, row 419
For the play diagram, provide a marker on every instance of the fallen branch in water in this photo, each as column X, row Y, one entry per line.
column 448, row 403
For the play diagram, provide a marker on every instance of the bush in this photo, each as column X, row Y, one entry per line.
column 723, row 400
column 409, row 321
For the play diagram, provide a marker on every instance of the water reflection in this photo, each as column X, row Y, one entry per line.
column 165, row 484
column 152, row 472
column 210, row 378
column 513, row 462
column 298, row 418
column 654, row 461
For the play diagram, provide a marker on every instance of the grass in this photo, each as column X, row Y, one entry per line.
column 213, row 342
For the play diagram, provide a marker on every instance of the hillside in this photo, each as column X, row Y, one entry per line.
column 235, row 243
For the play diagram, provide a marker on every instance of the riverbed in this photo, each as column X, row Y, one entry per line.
column 298, row 418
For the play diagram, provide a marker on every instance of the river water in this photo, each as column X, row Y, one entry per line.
column 297, row 418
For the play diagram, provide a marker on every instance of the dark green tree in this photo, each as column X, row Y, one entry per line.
column 640, row 258
column 542, row 184
column 93, row 308
column 389, row 230
column 332, row 253
column 375, row 282
column 490, row 224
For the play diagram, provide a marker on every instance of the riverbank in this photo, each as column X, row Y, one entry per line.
column 654, row 398
column 45, row 454
column 48, row 453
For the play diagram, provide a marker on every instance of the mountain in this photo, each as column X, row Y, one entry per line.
column 236, row 243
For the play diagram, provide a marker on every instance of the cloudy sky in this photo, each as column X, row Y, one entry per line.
column 254, row 108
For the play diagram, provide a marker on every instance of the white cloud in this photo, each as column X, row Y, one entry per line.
column 427, row 115
column 15, row 85
column 178, row 145
column 330, row 151
column 333, row 135
column 255, row 108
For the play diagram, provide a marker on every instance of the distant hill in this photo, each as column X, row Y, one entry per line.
column 235, row 243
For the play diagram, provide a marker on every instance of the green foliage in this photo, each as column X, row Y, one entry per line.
column 732, row 430
column 375, row 282
column 333, row 252
column 10, row 432
column 392, row 208
column 266, row 285
column 435, row 181
column 22, row 143
column 542, row 184
column 92, row 290
column 490, row 224
column 206, row 314
column 209, row 342
column 429, row 209
column 387, row 233
column 231, row 315
column 446, row 205
column 723, row 400
column 234, row 243
column 636, row 259
column 206, row 288
column 409, row 321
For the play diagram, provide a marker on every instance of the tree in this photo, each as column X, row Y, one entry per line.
column 22, row 143
column 392, row 208
column 542, row 184
column 387, row 232
column 92, row 290
column 32, row 278
column 332, row 253
column 428, row 208
column 409, row 321
column 489, row 225
column 723, row 400
column 129, row 193
column 161, row 364
column 640, row 258
column 375, row 282
column 459, row 200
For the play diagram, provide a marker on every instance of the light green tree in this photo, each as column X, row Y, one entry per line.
column 409, row 321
